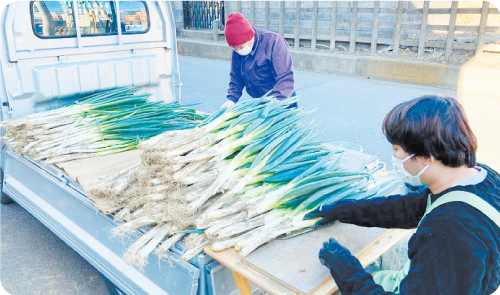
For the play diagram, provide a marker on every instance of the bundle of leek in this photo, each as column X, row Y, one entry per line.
column 241, row 178
column 288, row 217
column 98, row 124
column 206, row 161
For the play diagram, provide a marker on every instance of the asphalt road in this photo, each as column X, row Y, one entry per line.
column 35, row 261
column 349, row 108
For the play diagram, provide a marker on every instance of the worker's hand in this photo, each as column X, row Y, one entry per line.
column 329, row 213
column 329, row 252
column 343, row 266
column 227, row 104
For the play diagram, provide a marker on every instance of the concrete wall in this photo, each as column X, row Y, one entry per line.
column 344, row 64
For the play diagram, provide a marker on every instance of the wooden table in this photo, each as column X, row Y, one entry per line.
column 269, row 282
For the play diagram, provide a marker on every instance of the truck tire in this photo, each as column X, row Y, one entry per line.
column 4, row 199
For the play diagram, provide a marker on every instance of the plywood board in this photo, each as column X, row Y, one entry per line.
column 88, row 172
column 294, row 262
column 230, row 259
column 270, row 283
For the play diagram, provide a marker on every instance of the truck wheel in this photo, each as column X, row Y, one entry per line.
column 4, row 199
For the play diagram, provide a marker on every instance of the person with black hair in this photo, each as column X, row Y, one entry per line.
column 456, row 247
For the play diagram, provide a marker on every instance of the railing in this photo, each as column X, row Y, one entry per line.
column 201, row 14
column 322, row 24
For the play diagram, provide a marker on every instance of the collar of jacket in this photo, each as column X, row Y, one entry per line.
column 256, row 41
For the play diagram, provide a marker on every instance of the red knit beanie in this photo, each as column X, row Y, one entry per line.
column 238, row 30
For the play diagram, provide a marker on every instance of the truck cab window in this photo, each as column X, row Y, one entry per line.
column 53, row 19
column 134, row 17
column 97, row 18
column 56, row 19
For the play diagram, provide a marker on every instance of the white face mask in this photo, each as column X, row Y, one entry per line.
column 245, row 50
column 399, row 167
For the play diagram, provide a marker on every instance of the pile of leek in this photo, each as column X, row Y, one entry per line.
column 102, row 123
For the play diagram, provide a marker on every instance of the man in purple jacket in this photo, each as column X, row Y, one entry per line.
column 261, row 62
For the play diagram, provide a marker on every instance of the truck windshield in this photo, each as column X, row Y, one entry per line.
column 56, row 19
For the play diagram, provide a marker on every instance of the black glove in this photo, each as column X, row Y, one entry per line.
column 344, row 268
column 330, row 251
column 328, row 212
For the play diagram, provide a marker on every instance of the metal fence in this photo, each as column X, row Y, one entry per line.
column 307, row 23
column 201, row 14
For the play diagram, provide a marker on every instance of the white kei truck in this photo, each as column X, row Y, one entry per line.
column 54, row 51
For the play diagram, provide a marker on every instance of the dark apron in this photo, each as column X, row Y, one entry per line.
column 391, row 279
